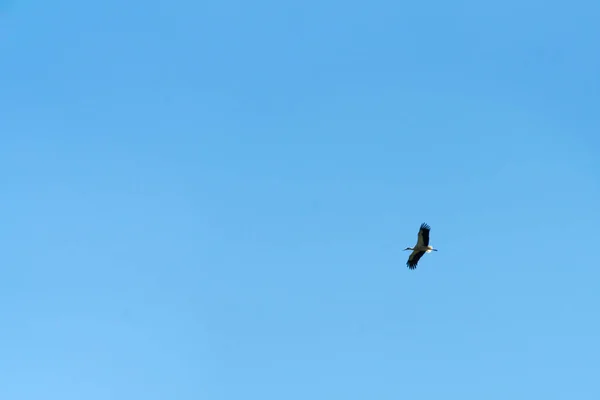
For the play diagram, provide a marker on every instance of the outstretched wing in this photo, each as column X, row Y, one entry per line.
column 423, row 240
column 414, row 258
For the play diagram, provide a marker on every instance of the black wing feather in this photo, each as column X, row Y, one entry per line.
column 424, row 231
column 413, row 259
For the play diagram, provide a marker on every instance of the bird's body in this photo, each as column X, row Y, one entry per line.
column 420, row 248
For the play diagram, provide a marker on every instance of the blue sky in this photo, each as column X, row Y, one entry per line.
column 209, row 200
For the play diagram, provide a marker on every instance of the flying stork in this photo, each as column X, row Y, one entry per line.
column 421, row 248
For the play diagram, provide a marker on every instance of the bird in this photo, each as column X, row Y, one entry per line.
column 421, row 248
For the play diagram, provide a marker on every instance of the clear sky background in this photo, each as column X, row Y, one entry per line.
column 209, row 200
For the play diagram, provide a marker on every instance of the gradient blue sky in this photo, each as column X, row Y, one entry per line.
column 209, row 199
